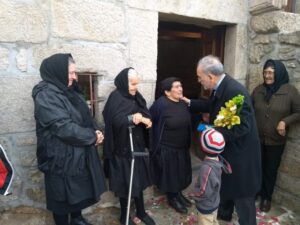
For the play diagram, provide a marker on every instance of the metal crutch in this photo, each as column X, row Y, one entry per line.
column 133, row 155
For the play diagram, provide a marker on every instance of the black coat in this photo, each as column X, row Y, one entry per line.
column 117, row 150
column 66, row 151
column 242, row 148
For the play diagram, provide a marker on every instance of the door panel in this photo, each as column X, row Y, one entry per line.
column 180, row 46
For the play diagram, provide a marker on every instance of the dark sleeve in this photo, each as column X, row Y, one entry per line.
column 155, row 112
column 52, row 114
column 247, row 120
column 295, row 107
column 156, row 115
column 254, row 95
column 121, row 121
column 197, row 106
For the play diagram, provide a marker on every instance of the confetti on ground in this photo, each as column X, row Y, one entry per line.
column 136, row 220
column 150, row 213
column 158, row 208
column 191, row 219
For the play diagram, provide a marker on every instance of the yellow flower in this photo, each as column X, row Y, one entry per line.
column 235, row 120
column 229, row 115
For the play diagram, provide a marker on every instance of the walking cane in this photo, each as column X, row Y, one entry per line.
column 133, row 155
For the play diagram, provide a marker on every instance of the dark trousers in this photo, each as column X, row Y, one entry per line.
column 271, row 157
column 64, row 218
column 245, row 208
column 139, row 205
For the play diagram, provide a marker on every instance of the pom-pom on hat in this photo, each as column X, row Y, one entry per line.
column 212, row 142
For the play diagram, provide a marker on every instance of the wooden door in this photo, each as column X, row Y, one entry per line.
column 180, row 47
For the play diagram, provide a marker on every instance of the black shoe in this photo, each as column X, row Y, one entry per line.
column 130, row 222
column 79, row 221
column 147, row 220
column 224, row 217
column 265, row 205
column 175, row 204
column 183, row 200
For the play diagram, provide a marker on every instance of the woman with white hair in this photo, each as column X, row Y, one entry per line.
column 125, row 106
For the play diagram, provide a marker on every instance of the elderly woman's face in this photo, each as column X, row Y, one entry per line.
column 72, row 73
column 133, row 83
column 269, row 75
column 176, row 91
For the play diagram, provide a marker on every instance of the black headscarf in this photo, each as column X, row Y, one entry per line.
column 55, row 70
column 166, row 84
column 281, row 77
column 121, row 82
column 119, row 104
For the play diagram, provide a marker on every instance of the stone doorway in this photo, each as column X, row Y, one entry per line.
column 180, row 46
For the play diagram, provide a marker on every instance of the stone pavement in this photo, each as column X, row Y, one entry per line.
column 156, row 206
column 163, row 215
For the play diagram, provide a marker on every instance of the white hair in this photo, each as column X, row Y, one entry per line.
column 132, row 73
column 71, row 60
column 211, row 64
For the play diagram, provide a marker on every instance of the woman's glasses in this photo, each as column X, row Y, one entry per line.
column 268, row 72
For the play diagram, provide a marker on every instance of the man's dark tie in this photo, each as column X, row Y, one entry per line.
column 213, row 93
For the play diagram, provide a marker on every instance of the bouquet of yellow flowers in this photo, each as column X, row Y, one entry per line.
column 230, row 114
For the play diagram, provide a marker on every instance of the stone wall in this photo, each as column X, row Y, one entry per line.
column 276, row 35
column 297, row 7
column 104, row 37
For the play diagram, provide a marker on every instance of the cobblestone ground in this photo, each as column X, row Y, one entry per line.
column 163, row 215
column 156, row 206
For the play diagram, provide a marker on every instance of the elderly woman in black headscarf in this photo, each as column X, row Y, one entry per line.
column 171, row 141
column 125, row 106
column 67, row 139
column 277, row 106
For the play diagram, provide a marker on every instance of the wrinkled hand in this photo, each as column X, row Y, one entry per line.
column 147, row 122
column 137, row 118
column 281, row 128
column 99, row 137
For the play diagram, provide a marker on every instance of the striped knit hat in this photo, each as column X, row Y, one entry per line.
column 212, row 142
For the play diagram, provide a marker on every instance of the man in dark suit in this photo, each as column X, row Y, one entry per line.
column 242, row 148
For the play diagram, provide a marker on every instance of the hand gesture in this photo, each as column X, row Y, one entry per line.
column 281, row 128
column 99, row 137
column 186, row 100
column 137, row 118
column 147, row 122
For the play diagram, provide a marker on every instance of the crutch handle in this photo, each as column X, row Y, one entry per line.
column 140, row 154
column 130, row 121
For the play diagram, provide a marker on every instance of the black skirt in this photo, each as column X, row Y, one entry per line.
column 172, row 168
column 119, row 175
column 62, row 206
column 74, row 193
